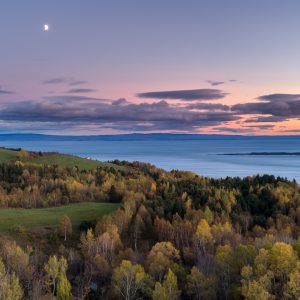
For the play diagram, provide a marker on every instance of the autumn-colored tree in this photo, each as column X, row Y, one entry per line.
column 203, row 236
column 87, row 241
column 104, row 225
column 256, row 289
column 15, row 258
column 102, row 269
column 283, row 260
column 243, row 255
column 292, row 288
column 224, row 260
column 221, row 232
column 23, row 154
column 182, row 231
column 274, row 274
column 160, row 259
column 199, row 286
column 129, row 279
column 139, row 223
column 297, row 245
column 10, row 288
column 163, row 228
column 168, row 290
column 237, row 233
column 52, row 270
column 65, row 227
column 56, row 269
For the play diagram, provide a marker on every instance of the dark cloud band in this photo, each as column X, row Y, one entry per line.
column 282, row 106
column 187, row 95
column 119, row 114
column 81, row 111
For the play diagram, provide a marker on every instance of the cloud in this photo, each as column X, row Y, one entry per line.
column 280, row 97
column 261, row 126
column 75, row 98
column 66, row 80
column 234, row 130
column 54, row 81
column 268, row 119
column 5, row 92
column 284, row 106
column 80, row 91
column 245, row 129
column 119, row 114
column 214, row 82
column 77, row 82
column 121, row 101
column 209, row 106
column 198, row 111
column 292, row 130
column 187, row 95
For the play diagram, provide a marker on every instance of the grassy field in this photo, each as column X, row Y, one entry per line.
column 69, row 161
column 10, row 218
column 6, row 155
column 63, row 160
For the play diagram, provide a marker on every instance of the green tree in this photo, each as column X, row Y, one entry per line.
column 297, row 246
column 10, row 288
column 55, row 268
column 199, row 286
column 52, row 270
column 17, row 261
column 256, row 289
column 224, row 260
column 129, row 279
column 168, row 290
column 243, row 255
column 282, row 260
column 63, row 288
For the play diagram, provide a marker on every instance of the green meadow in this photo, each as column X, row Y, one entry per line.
column 8, row 155
column 63, row 160
column 11, row 218
column 69, row 161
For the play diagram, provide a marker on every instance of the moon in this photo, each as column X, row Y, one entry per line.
column 46, row 27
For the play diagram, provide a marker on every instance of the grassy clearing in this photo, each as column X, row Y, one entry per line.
column 63, row 160
column 7, row 155
column 49, row 217
column 69, row 161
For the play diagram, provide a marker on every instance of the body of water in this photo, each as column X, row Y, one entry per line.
column 201, row 156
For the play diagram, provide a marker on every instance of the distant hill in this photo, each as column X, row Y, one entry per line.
column 131, row 137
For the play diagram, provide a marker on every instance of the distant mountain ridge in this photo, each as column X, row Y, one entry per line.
column 130, row 137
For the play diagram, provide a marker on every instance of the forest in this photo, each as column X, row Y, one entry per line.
column 175, row 235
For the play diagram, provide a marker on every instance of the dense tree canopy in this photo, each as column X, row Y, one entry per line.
column 176, row 235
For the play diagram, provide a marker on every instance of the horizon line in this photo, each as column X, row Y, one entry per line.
column 148, row 134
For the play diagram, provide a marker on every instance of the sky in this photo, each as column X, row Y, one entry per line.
column 110, row 67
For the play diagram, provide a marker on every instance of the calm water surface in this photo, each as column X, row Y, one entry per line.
column 200, row 156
